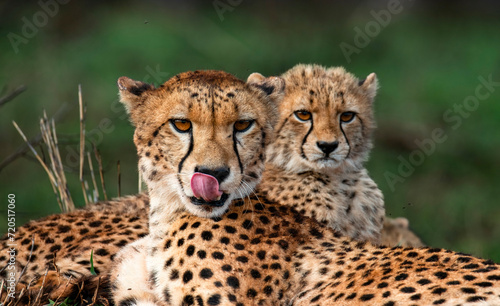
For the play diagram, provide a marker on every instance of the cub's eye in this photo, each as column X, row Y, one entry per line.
column 303, row 115
column 347, row 117
column 181, row 125
column 242, row 125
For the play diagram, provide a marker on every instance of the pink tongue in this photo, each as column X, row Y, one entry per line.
column 205, row 186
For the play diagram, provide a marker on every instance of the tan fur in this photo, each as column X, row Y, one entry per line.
column 333, row 188
column 212, row 101
column 396, row 232
column 262, row 253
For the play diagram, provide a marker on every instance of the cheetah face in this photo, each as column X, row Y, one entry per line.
column 326, row 120
column 201, row 136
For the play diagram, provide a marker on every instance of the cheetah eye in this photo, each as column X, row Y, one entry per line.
column 181, row 125
column 303, row 115
column 243, row 125
column 347, row 117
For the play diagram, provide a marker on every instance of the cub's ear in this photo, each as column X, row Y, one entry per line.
column 131, row 91
column 273, row 87
column 370, row 85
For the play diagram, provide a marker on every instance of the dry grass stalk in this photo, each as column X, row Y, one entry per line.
column 10, row 96
column 83, row 110
column 49, row 136
column 95, row 193
column 47, row 170
column 101, row 171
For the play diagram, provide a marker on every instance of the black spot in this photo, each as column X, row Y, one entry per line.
column 188, row 275
column 251, row 293
column 255, row 273
column 190, row 250
column 438, row 302
column 382, row 285
column 494, row 277
column 232, row 216
column 188, row 300
column 224, row 240
column 207, row 235
column 351, row 296
column 416, row 297
column 183, row 227
column 233, row 282
column 128, row 302
column 174, row 274
column 230, row 229
column 408, row 290
column 471, row 266
column 484, row 284
column 390, row 303
column 196, row 224
column 261, row 255
column 469, row 277
column 476, row 298
column 101, row 252
column 276, row 266
column 264, row 219
column 218, row 255
column 247, row 224
column 91, row 224
column 206, row 273
column 227, row 268
column 316, row 233
column 366, row 297
column 214, row 299
column 438, row 291
column 180, row 242
column 441, row 275
column 468, row 290
column 242, row 259
column 401, row 277
column 412, row 254
column 433, row 258
column 169, row 262
column 55, row 248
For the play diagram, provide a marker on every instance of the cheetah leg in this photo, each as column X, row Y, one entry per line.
column 130, row 278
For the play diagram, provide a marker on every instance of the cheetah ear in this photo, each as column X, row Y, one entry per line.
column 273, row 87
column 370, row 85
column 131, row 91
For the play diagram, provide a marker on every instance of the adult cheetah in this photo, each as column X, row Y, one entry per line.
column 255, row 251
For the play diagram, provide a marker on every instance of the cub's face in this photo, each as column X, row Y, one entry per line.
column 326, row 120
column 201, row 137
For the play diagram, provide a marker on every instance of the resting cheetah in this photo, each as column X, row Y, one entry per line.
column 61, row 245
column 315, row 164
column 331, row 77
column 257, row 252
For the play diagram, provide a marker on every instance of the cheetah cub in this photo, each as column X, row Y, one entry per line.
column 323, row 137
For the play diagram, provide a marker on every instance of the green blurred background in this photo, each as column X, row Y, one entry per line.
column 430, row 58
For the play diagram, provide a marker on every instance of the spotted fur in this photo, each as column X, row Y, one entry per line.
column 316, row 165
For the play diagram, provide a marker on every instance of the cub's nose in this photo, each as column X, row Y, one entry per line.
column 220, row 173
column 327, row 147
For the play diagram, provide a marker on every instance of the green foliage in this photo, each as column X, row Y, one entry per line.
column 427, row 62
column 92, row 271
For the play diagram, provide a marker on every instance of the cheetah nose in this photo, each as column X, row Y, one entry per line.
column 327, row 147
column 205, row 186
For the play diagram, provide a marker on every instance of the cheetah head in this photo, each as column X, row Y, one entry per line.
column 326, row 120
column 201, row 137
